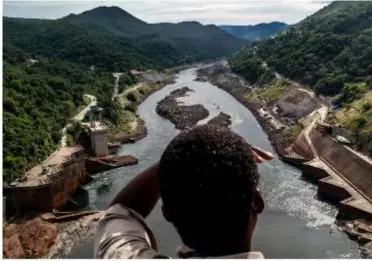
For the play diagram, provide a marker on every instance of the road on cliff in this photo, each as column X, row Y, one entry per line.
column 117, row 76
column 78, row 118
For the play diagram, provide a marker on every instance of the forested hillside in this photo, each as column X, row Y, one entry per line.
column 39, row 99
column 255, row 32
column 114, row 19
column 113, row 40
column 330, row 52
column 210, row 40
column 93, row 45
column 202, row 41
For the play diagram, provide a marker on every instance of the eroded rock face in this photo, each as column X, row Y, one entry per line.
column 37, row 238
column 182, row 116
column 29, row 239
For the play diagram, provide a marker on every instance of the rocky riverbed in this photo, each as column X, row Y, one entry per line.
column 182, row 116
column 222, row 120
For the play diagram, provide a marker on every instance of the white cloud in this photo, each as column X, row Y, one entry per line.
column 204, row 11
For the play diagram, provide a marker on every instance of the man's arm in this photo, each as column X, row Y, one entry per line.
column 142, row 193
column 122, row 232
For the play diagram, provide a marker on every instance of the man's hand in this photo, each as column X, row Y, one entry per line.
column 261, row 155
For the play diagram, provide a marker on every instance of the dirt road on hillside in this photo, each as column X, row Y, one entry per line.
column 79, row 117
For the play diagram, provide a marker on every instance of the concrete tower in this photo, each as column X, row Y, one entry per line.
column 98, row 138
column 98, row 132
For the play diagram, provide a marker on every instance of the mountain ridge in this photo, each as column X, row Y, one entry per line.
column 102, row 31
column 255, row 32
column 112, row 18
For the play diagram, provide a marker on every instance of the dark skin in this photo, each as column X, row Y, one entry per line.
column 142, row 194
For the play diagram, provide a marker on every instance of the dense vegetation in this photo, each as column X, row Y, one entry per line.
column 90, row 45
column 255, row 32
column 39, row 99
column 330, row 52
column 251, row 67
column 112, row 40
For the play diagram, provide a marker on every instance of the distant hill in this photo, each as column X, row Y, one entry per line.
column 112, row 39
column 330, row 52
column 255, row 32
column 105, row 36
column 113, row 19
column 210, row 41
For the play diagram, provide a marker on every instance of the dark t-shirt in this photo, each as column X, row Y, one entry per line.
column 123, row 234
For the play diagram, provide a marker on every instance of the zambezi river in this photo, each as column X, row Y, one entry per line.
column 295, row 223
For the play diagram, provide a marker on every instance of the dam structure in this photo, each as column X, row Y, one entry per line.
column 342, row 174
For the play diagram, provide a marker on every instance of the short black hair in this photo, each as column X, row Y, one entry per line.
column 208, row 174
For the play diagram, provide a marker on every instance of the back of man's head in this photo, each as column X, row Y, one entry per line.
column 207, row 177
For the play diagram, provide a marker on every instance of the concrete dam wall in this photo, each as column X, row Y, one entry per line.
column 349, row 164
column 301, row 146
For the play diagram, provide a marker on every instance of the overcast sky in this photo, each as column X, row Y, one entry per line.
column 204, row 11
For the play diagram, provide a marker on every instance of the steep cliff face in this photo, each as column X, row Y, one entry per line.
column 29, row 239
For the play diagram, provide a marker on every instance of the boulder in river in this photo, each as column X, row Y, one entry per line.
column 182, row 116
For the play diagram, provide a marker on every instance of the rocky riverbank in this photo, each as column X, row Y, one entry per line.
column 182, row 116
column 236, row 86
column 34, row 237
column 359, row 230
column 131, row 127
column 72, row 234
column 28, row 238
column 139, row 133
